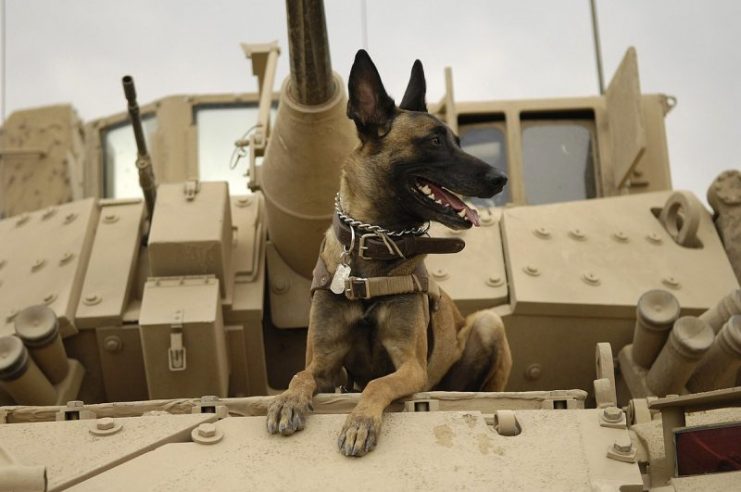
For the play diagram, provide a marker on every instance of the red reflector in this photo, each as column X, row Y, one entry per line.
column 708, row 449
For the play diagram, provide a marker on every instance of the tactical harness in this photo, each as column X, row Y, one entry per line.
column 381, row 245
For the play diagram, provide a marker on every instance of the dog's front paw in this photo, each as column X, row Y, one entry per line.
column 287, row 414
column 359, row 435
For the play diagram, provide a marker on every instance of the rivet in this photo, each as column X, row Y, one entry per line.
column 66, row 257
column 671, row 282
column 494, row 281
column 207, row 429
column 105, row 423
column 91, row 299
column 440, row 273
column 531, row 270
column 533, row 372
column 620, row 237
column 112, row 344
column 49, row 298
column 244, row 201
column 590, row 278
column 654, row 238
column 280, row 285
column 623, row 446
column 110, row 218
column 577, row 234
column 69, row 218
column 38, row 264
column 22, row 220
column 612, row 414
column 542, row 232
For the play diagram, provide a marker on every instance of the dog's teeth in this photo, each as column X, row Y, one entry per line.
column 462, row 214
column 439, row 202
column 426, row 190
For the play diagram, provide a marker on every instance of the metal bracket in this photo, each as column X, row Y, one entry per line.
column 176, row 354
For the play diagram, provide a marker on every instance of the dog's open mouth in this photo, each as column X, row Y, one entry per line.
column 445, row 201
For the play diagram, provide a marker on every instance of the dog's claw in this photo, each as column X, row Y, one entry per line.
column 286, row 415
column 358, row 436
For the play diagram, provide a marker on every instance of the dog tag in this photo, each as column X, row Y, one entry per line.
column 338, row 281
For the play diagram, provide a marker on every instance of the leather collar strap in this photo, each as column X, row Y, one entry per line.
column 372, row 247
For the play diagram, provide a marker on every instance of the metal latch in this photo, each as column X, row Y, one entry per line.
column 176, row 354
column 191, row 188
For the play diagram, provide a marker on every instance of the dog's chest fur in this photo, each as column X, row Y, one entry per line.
column 368, row 359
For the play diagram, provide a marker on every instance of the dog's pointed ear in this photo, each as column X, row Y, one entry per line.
column 414, row 97
column 368, row 104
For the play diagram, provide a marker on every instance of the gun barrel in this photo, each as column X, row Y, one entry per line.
column 312, row 81
column 143, row 162
column 136, row 122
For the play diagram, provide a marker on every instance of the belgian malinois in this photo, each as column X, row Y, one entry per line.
column 405, row 172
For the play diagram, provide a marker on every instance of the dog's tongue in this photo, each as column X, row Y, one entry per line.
column 454, row 202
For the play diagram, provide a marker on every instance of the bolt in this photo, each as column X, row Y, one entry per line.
column 612, row 414
column 542, row 232
column 280, row 285
column 440, row 273
column 105, row 423
column 590, row 278
column 22, row 220
column 654, row 238
column 494, row 281
column 112, row 344
column 533, row 372
column 577, row 234
column 623, row 446
column 207, row 430
column 37, row 264
column 110, row 218
column 531, row 270
column 671, row 282
column 244, row 202
column 91, row 299
column 621, row 237
column 66, row 257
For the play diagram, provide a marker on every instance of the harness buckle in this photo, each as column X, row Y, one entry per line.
column 362, row 247
column 357, row 288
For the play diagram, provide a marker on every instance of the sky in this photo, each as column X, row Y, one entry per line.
column 77, row 50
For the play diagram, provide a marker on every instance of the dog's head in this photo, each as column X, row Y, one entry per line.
column 410, row 164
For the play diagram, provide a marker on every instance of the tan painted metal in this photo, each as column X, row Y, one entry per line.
column 194, row 309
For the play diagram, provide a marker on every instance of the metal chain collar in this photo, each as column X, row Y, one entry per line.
column 369, row 228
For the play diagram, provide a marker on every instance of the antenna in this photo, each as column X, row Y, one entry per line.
column 597, row 47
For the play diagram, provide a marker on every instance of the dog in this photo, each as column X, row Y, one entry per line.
column 382, row 324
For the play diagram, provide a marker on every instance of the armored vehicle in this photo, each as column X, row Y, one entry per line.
column 149, row 308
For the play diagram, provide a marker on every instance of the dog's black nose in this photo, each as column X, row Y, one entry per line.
column 496, row 179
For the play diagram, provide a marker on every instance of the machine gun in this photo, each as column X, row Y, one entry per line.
column 143, row 161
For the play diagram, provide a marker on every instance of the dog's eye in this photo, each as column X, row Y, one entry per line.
column 436, row 141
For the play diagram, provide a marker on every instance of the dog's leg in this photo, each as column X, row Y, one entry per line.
column 486, row 360
column 327, row 343
column 402, row 331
